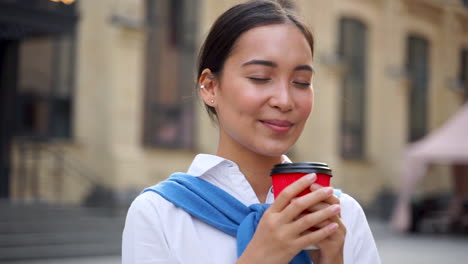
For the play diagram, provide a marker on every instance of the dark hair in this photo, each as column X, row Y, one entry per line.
column 238, row 19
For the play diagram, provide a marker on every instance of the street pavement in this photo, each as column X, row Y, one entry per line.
column 393, row 248
column 418, row 248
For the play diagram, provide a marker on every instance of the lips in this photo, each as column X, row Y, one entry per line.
column 278, row 126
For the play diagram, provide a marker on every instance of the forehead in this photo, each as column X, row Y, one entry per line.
column 273, row 42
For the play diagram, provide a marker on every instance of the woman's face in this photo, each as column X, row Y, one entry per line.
column 264, row 94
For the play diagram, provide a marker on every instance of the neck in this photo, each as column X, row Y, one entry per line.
column 254, row 166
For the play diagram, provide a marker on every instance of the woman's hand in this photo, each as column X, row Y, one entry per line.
column 281, row 233
column 331, row 247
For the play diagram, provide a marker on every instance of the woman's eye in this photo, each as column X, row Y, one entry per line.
column 302, row 84
column 260, row 80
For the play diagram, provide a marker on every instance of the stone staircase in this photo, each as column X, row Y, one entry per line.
column 41, row 231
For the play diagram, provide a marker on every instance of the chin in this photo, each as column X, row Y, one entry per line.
column 271, row 148
column 274, row 152
column 272, row 155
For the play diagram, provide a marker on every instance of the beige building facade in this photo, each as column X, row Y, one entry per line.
column 360, row 125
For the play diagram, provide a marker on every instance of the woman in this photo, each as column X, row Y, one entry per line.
column 255, row 78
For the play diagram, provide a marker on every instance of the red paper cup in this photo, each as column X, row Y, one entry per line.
column 286, row 173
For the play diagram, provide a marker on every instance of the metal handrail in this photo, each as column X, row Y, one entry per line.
column 62, row 163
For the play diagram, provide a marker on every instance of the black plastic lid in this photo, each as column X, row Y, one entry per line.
column 301, row 167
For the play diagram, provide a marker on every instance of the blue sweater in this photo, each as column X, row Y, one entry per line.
column 216, row 207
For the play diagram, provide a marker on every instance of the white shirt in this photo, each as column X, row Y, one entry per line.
column 156, row 231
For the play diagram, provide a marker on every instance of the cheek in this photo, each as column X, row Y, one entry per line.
column 246, row 101
column 250, row 103
column 306, row 102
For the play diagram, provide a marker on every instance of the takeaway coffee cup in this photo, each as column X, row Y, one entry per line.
column 286, row 173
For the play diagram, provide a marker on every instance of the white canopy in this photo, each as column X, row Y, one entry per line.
column 447, row 144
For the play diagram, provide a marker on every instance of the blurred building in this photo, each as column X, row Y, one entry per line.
column 99, row 96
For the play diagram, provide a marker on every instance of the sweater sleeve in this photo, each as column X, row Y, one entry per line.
column 359, row 245
column 143, row 240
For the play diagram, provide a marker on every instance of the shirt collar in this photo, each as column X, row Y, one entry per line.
column 205, row 162
column 226, row 175
column 285, row 159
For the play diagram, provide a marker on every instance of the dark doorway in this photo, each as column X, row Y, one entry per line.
column 8, row 78
column 27, row 28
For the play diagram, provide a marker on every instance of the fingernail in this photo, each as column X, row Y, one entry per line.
column 315, row 186
column 328, row 190
column 332, row 226
column 311, row 176
column 334, row 208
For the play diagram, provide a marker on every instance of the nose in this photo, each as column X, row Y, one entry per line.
column 281, row 98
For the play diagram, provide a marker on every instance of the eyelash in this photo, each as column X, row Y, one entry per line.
column 302, row 84
column 264, row 80
column 260, row 80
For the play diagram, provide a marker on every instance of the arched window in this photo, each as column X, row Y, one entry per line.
column 417, row 59
column 39, row 39
column 352, row 51
column 465, row 3
column 464, row 72
column 170, row 59
column 45, row 86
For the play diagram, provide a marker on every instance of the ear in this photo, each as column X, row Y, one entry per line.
column 208, row 84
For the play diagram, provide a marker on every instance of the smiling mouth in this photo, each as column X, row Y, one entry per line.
column 278, row 126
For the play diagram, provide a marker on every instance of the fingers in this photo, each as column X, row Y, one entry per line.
column 335, row 219
column 321, row 239
column 314, row 219
column 321, row 206
column 316, row 236
column 300, row 204
column 335, row 238
column 332, row 200
column 285, row 197
column 318, row 206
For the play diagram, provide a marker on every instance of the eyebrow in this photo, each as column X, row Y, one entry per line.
column 304, row 68
column 274, row 65
column 261, row 62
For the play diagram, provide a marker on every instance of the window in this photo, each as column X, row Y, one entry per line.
column 168, row 113
column 352, row 50
column 417, row 59
column 464, row 72
column 465, row 3
column 44, row 94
